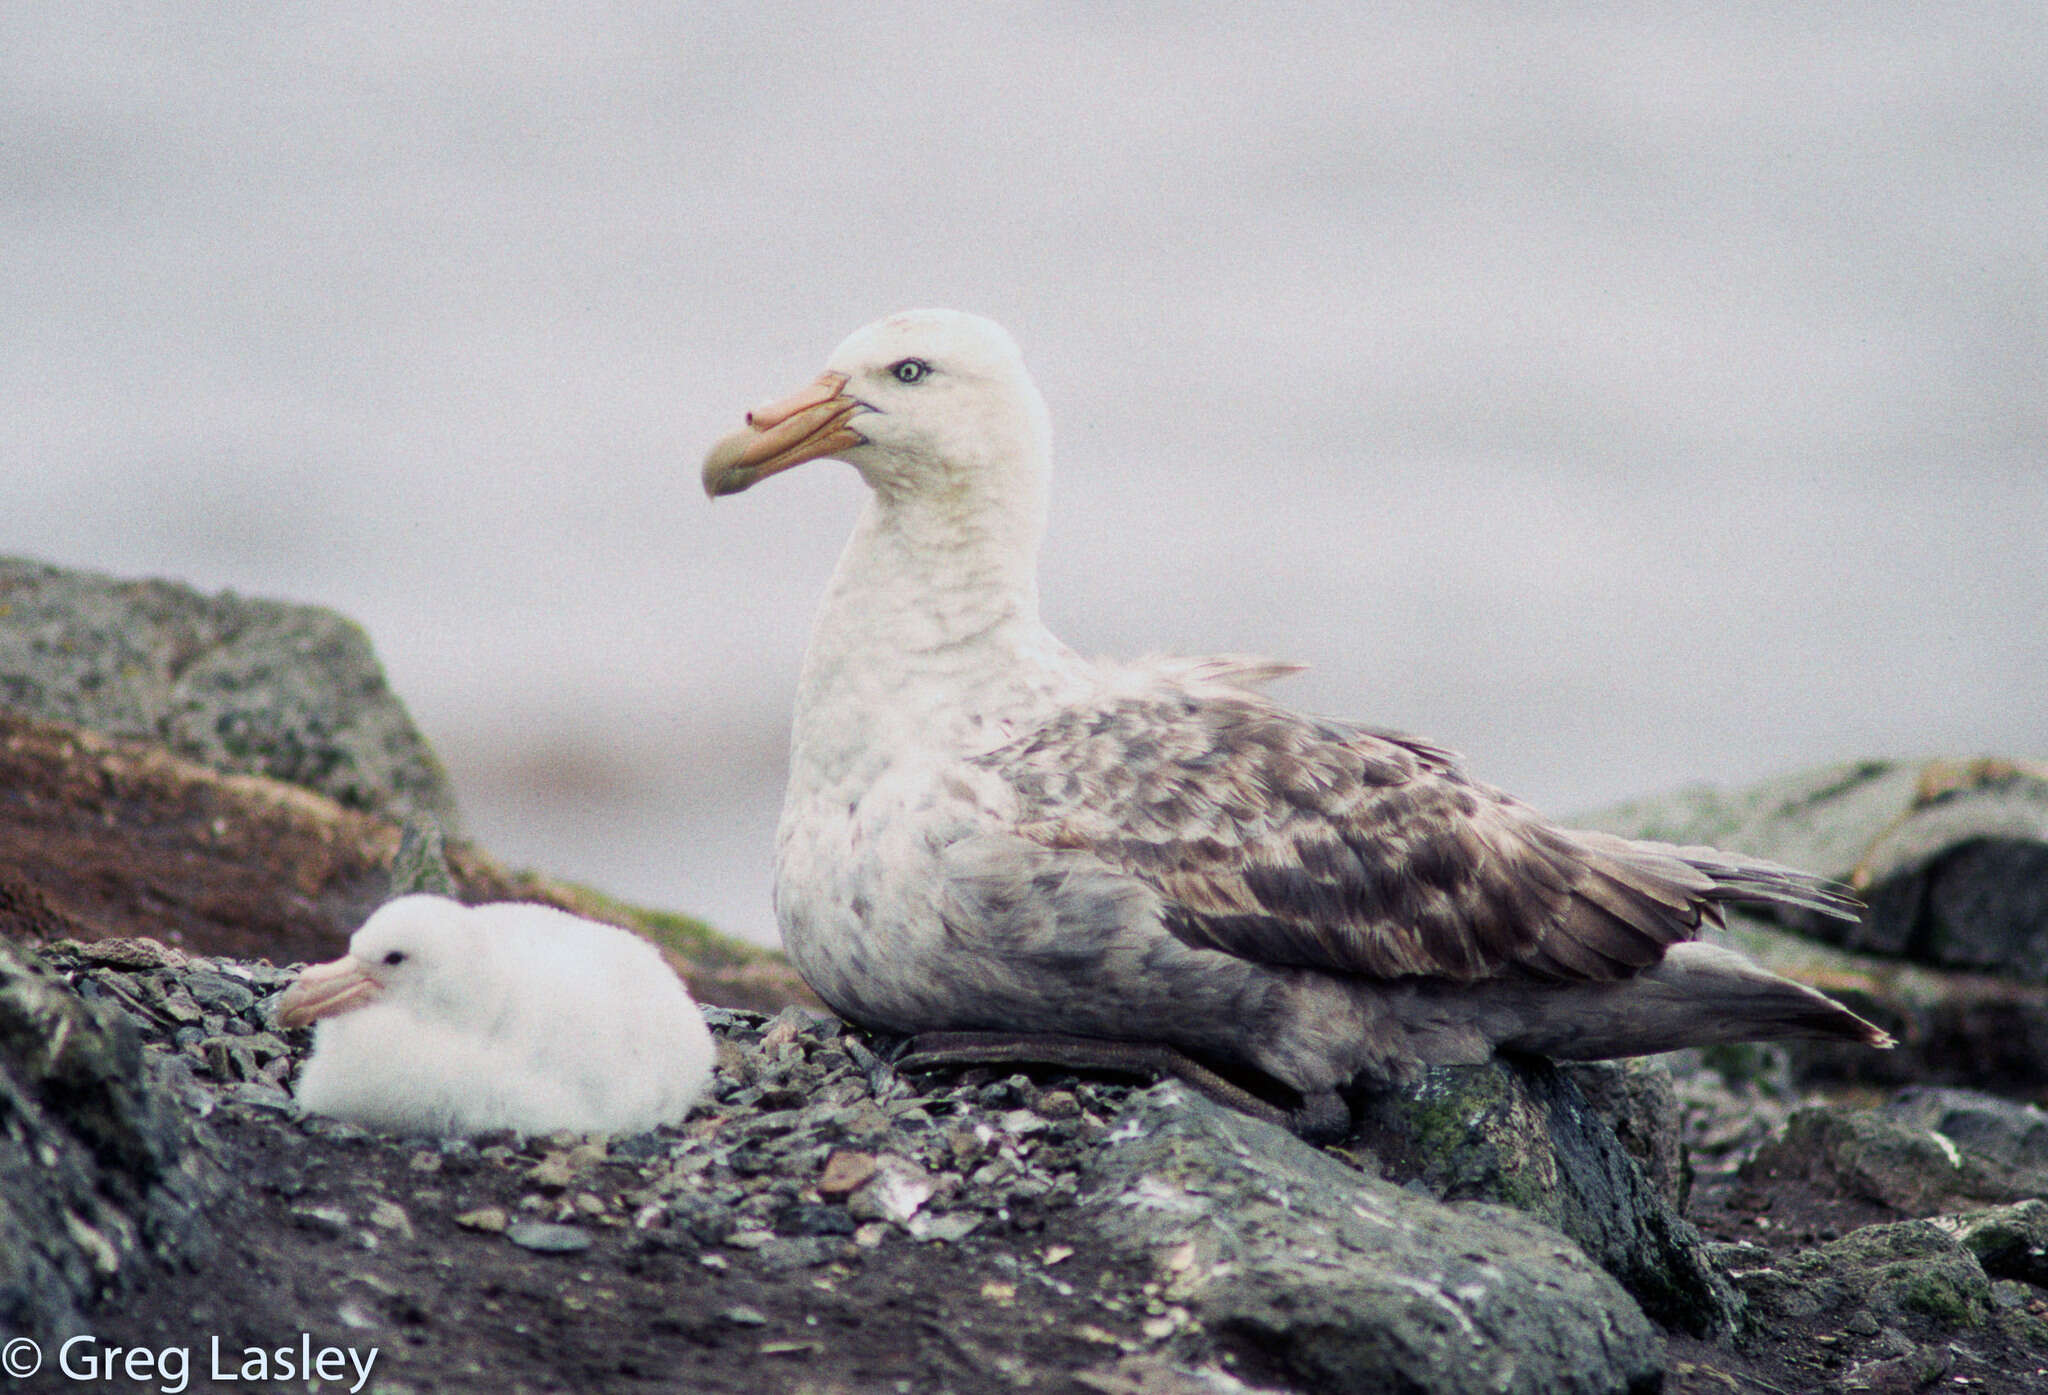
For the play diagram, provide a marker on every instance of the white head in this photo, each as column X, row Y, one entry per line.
column 926, row 404
column 423, row 953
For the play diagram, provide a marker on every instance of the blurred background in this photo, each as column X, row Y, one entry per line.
column 1625, row 395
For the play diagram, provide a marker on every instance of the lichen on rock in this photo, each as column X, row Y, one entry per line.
column 1353, row 1283
column 246, row 686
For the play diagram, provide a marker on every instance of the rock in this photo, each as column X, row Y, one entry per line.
column 1898, row 1162
column 1350, row 1282
column 388, row 1215
column 1952, row 855
column 98, row 1171
column 1917, row 1370
column 2010, row 1242
column 245, row 686
column 845, row 1173
column 328, row 1222
column 420, row 865
column 1909, row 1271
column 2012, row 1136
column 133, row 954
column 1520, row 1133
column 895, row 1192
column 1284, row 1263
column 946, row 1229
column 546, row 1238
column 1638, row 1099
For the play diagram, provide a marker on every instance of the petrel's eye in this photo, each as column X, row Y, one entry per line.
column 395, row 957
column 910, row 370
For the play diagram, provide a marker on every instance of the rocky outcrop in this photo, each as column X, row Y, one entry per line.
column 243, row 686
column 978, row 1232
column 2010, row 1242
column 1170, row 1238
column 99, row 1173
column 1897, row 1307
column 1926, row 1152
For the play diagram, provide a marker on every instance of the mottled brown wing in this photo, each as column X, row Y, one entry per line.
column 1294, row 840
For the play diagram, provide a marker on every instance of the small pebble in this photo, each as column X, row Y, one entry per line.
column 845, row 1173
column 547, row 1238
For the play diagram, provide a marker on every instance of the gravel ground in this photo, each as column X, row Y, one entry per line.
column 821, row 1224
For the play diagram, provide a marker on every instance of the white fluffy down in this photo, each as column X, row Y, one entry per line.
column 507, row 1016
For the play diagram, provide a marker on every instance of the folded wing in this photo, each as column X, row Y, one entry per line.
column 1296, row 840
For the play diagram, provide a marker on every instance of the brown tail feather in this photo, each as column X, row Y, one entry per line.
column 1699, row 995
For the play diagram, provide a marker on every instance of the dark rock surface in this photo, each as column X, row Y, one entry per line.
column 2011, row 1242
column 1869, row 1155
column 245, row 686
column 1522, row 1133
column 99, row 1171
column 2003, row 1133
column 1895, row 1273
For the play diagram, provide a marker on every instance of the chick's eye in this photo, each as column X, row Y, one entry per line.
column 910, row 370
column 396, row 956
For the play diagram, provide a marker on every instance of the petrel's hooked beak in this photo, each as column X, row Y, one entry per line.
column 809, row 423
column 322, row 990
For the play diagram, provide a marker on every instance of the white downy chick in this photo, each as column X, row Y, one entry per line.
column 452, row 1019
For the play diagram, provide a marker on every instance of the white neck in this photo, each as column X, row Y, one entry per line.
column 929, row 635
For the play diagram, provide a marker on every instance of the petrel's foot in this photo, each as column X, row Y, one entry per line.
column 1320, row 1118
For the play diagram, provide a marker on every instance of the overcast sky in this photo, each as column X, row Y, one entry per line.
column 1625, row 395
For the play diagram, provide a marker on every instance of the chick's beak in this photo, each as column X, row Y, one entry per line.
column 326, row 989
column 809, row 423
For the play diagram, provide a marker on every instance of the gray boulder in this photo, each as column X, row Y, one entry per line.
column 1928, row 1151
column 1350, row 1282
column 245, row 686
column 1521, row 1133
column 98, row 1172
column 1865, row 1155
column 2006, row 1134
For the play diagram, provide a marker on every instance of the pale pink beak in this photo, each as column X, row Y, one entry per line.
column 322, row 990
column 808, row 423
